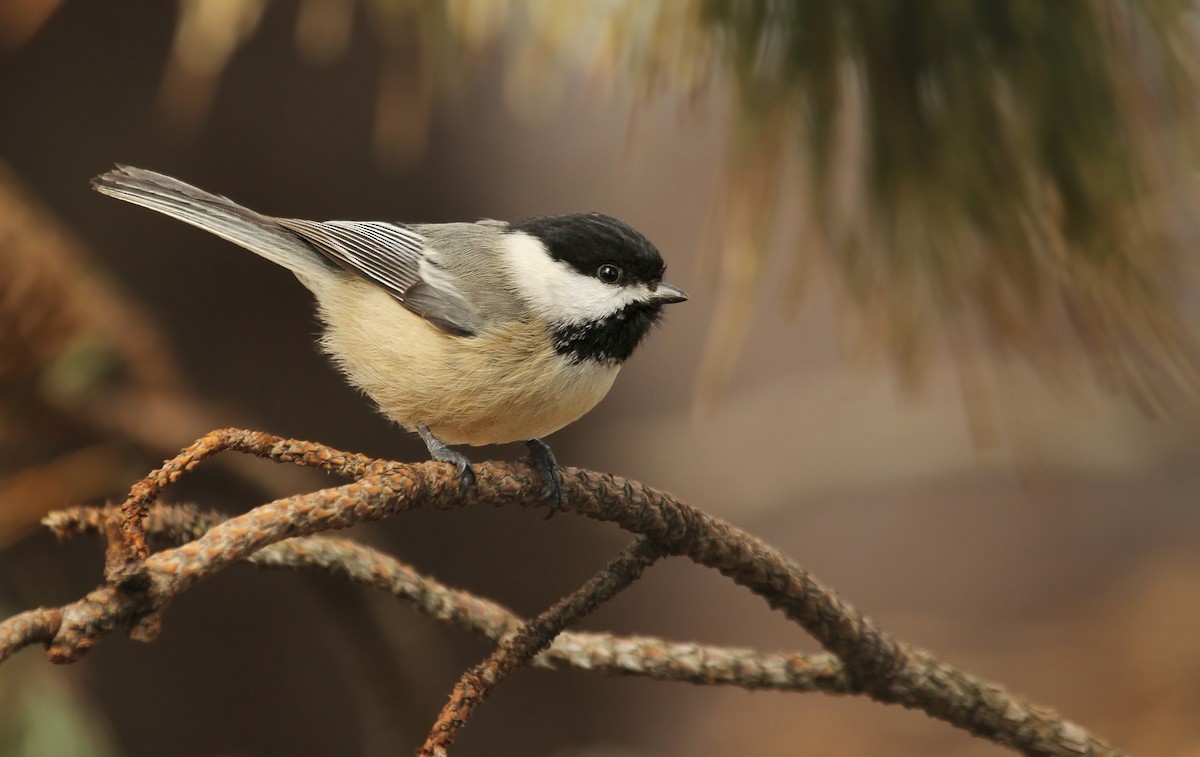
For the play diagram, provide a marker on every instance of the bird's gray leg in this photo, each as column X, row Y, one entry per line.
column 542, row 459
column 443, row 454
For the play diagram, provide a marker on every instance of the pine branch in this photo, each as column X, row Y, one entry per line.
column 610, row 654
column 876, row 664
column 478, row 682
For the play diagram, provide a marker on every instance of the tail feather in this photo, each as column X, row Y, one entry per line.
column 218, row 215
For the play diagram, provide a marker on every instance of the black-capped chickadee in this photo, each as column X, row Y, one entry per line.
column 466, row 333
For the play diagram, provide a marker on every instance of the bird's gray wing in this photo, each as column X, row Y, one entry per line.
column 392, row 256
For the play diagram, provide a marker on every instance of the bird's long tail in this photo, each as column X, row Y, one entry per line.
column 256, row 232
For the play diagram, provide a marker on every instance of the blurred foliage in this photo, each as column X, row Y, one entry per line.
column 42, row 715
column 73, row 355
column 89, row 390
column 1015, row 176
column 1009, row 180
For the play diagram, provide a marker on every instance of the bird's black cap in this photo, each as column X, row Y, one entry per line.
column 585, row 241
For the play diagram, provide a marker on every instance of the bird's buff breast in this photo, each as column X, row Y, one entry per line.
column 504, row 385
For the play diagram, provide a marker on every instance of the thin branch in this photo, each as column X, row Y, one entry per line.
column 125, row 561
column 30, row 627
column 478, row 682
column 878, row 665
column 647, row 656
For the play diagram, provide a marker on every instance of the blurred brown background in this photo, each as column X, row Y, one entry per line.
column 942, row 358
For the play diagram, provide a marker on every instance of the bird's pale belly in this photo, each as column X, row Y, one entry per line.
column 503, row 385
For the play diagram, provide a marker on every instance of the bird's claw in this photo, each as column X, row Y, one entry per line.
column 542, row 460
column 466, row 476
column 440, row 452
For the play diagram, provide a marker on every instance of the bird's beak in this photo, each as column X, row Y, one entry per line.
column 666, row 294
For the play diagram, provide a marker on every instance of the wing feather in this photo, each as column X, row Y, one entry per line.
column 387, row 254
column 391, row 256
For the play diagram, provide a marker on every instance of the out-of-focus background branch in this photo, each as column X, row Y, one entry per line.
column 943, row 277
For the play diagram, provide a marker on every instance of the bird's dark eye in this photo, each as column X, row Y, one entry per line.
column 608, row 273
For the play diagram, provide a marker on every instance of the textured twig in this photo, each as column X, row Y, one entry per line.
column 30, row 627
column 878, row 665
column 125, row 560
column 599, row 652
column 478, row 682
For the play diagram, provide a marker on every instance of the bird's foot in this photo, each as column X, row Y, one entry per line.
column 542, row 460
column 443, row 454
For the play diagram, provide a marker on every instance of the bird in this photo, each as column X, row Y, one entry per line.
column 471, row 333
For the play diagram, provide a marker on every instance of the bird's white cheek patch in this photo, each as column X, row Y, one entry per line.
column 559, row 293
